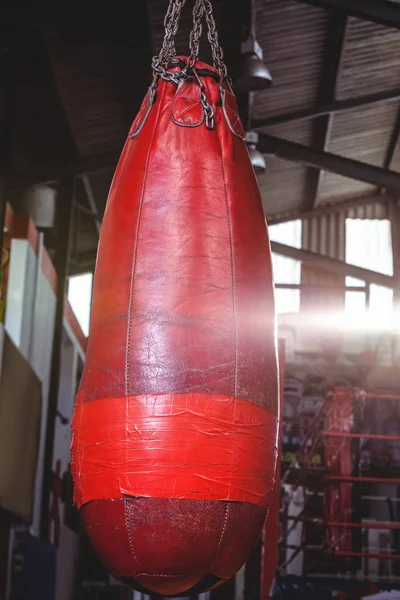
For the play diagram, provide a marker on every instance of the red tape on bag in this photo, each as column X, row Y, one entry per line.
column 193, row 446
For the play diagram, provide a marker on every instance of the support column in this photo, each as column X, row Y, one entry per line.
column 63, row 226
column 394, row 215
column 7, row 116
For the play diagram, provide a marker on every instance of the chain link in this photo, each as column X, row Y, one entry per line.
column 217, row 52
column 202, row 7
column 171, row 25
column 197, row 30
column 207, row 107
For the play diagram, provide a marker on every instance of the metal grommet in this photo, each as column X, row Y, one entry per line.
column 187, row 119
column 187, row 100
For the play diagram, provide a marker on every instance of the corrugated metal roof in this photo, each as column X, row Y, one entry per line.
column 285, row 186
column 334, row 188
column 325, row 234
column 395, row 166
column 100, row 80
column 361, row 135
column 299, row 131
column 371, row 59
column 292, row 36
column 372, row 211
column 364, row 134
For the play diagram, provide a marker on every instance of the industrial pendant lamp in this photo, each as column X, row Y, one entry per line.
column 254, row 75
column 252, row 137
column 257, row 159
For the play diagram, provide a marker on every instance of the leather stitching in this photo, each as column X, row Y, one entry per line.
column 233, row 271
column 185, row 110
column 180, row 94
column 221, row 537
column 138, row 122
column 128, row 331
column 236, row 122
column 236, row 117
column 229, row 112
column 128, row 529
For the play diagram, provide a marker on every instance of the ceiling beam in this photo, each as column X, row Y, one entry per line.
column 393, row 141
column 92, row 202
column 332, row 264
column 333, row 163
column 8, row 69
column 383, row 199
column 332, row 68
column 63, row 229
column 394, row 215
column 382, row 12
column 329, row 108
column 74, row 168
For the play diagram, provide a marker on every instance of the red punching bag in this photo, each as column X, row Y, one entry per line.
column 175, row 425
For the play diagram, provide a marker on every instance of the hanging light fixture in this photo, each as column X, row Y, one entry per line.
column 257, row 159
column 254, row 75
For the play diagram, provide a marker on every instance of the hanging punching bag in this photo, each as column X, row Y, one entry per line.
column 175, row 425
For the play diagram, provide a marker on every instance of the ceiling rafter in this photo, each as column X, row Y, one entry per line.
column 333, row 264
column 268, row 144
column 333, row 61
column 71, row 140
column 333, row 108
column 327, row 161
column 383, row 199
column 92, row 202
column 382, row 12
column 393, row 141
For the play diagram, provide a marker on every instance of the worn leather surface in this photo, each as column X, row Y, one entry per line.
column 182, row 303
column 188, row 538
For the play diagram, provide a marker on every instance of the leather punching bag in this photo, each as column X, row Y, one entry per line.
column 175, row 425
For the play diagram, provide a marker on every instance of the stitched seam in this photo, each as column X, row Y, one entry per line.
column 233, row 273
column 240, row 134
column 83, row 449
column 141, row 115
column 139, row 119
column 128, row 529
column 221, row 537
column 236, row 116
column 236, row 122
column 179, row 115
column 190, row 125
column 177, row 96
column 128, row 330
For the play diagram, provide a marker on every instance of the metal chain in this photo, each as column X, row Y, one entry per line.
column 207, row 107
column 217, row 52
column 197, row 30
column 205, row 7
column 171, row 25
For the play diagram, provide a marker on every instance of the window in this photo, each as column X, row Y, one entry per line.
column 369, row 245
column 80, row 298
column 285, row 269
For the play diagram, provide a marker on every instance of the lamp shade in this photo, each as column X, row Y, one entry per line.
column 257, row 159
column 254, row 76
